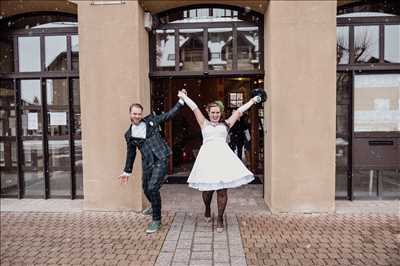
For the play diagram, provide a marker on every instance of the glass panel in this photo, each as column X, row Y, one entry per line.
column 7, row 98
column 392, row 43
column 7, row 111
column 390, row 183
column 76, row 92
column 40, row 21
column 77, row 138
column 191, row 50
column 364, row 183
column 377, row 103
column 57, row 93
column 6, row 55
column 56, row 53
column 165, row 50
column 220, row 48
column 8, row 168
column 78, row 168
column 59, row 24
column 365, row 14
column 369, row 8
column 58, row 122
column 8, row 125
column 342, row 46
column 248, row 48
column 206, row 15
column 59, row 167
column 32, row 165
column 30, row 92
column 366, row 44
column 29, row 54
column 75, row 52
column 343, row 132
column 31, row 121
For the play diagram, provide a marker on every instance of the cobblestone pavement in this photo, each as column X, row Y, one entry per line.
column 80, row 238
column 192, row 241
column 57, row 232
column 321, row 239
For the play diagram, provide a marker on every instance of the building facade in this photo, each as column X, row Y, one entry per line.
column 330, row 128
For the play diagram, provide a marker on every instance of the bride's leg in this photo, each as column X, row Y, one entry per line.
column 207, row 197
column 222, row 199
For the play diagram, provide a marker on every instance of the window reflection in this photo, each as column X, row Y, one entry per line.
column 8, row 168
column 392, row 43
column 29, row 54
column 377, row 103
column 220, row 48
column 7, row 55
column 344, row 85
column 78, row 167
column 342, row 34
column 75, row 52
column 56, row 53
column 57, row 93
column 191, row 49
column 165, row 50
column 58, row 24
column 59, row 168
column 248, row 48
column 201, row 15
column 30, row 92
column 366, row 44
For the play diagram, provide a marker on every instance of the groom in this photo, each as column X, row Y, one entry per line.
column 144, row 134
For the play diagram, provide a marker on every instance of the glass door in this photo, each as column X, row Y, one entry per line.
column 58, row 146
column 183, row 133
column 376, row 136
column 32, row 164
column 8, row 140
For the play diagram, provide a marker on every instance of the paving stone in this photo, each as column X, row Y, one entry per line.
column 201, row 255
column 221, row 255
column 186, row 235
column 184, row 243
column 164, row 259
column 359, row 233
column 169, row 246
column 200, row 263
column 201, row 247
column 203, row 240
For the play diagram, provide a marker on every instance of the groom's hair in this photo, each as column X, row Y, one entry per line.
column 137, row 105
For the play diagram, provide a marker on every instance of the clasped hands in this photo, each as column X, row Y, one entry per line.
column 182, row 93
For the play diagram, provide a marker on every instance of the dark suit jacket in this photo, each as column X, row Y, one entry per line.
column 153, row 147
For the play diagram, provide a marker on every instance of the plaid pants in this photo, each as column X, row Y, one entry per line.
column 152, row 181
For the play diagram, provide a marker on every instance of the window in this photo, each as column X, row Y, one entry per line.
column 235, row 99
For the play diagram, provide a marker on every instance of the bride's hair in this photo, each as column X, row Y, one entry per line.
column 218, row 104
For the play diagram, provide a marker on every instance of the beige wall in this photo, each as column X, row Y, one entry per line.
column 113, row 73
column 300, row 38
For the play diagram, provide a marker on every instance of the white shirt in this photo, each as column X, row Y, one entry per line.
column 139, row 131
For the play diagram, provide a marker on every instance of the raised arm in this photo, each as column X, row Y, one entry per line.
column 239, row 112
column 170, row 114
column 192, row 105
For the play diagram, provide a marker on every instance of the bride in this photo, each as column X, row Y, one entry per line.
column 217, row 167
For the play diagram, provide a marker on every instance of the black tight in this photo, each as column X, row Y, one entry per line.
column 222, row 199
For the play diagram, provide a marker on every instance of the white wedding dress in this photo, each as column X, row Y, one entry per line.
column 217, row 166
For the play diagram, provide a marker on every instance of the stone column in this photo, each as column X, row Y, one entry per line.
column 300, row 63
column 113, row 73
